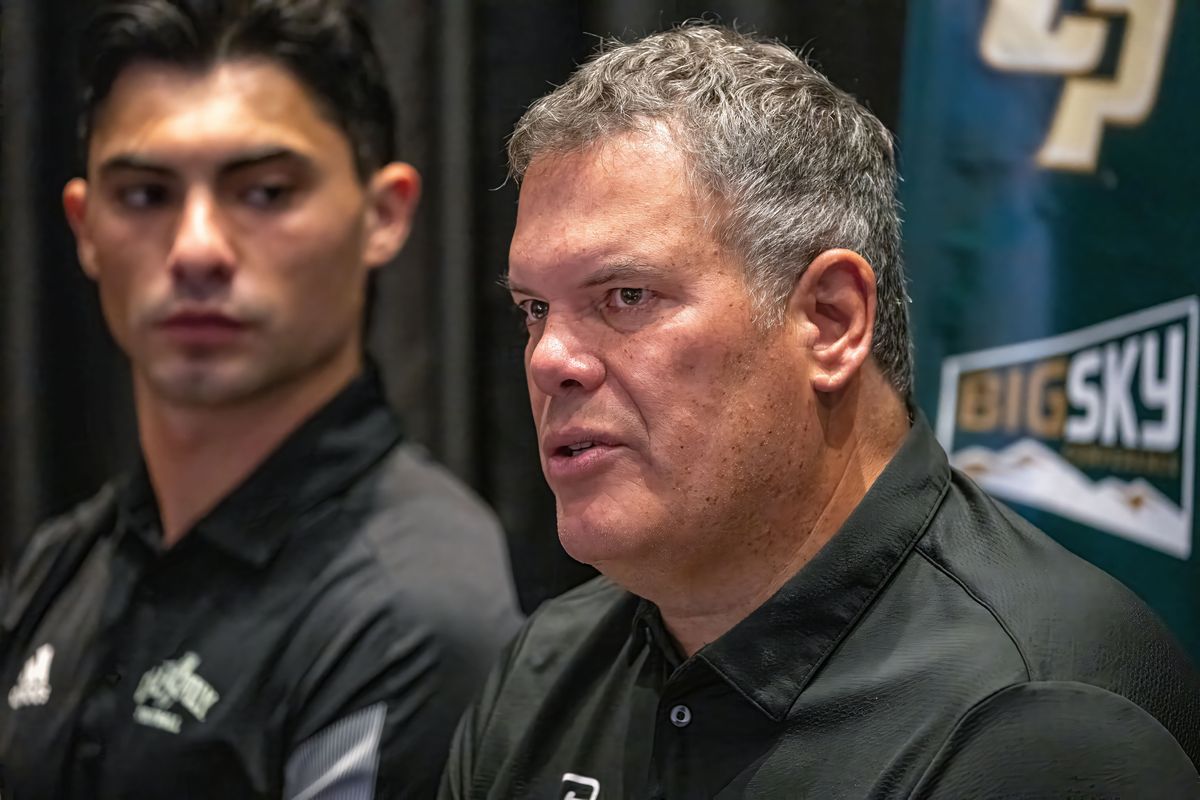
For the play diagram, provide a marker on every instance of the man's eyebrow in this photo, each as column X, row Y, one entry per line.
column 254, row 158
column 633, row 272
column 625, row 271
column 124, row 161
column 249, row 158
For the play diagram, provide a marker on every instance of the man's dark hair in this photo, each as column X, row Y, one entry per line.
column 326, row 44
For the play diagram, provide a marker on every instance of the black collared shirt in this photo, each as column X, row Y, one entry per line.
column 937, row 647
column 324, row 625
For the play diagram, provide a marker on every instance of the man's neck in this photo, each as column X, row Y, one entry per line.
column 195, row 456
column 791, row 538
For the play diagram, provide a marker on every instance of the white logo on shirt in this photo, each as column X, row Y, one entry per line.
column 572, row 784
column 33, row 684
column 170, row 683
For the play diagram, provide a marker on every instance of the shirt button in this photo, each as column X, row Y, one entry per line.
column 681, row 715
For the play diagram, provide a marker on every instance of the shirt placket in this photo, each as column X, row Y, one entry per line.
column 679, row 724
column 129, row 606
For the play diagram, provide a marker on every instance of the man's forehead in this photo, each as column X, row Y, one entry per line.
column 581, row 254
column 618, row 183
column 626, row 201
column 161, row 112
column 647, row 146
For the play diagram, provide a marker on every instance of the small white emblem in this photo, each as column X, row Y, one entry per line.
column 170, row 683
column 33, row 684
column 578, row 787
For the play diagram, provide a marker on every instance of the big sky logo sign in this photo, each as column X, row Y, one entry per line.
column 1097, row 425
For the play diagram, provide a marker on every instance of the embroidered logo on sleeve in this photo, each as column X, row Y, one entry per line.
column 172, row 682
column 33, row 684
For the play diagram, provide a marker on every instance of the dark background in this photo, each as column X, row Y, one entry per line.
column 443, row 331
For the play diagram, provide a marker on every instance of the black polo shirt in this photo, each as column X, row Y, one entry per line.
column 323, row 627
column 937, row 647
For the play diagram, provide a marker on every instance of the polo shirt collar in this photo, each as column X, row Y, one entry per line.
column 771, row 655
column 321, row 458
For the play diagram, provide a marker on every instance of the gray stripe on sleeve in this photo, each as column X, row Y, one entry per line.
column 340, row 761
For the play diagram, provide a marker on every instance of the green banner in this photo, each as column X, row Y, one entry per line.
column 1050, row 167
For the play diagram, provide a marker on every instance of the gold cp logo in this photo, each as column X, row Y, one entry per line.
column 1034, row 36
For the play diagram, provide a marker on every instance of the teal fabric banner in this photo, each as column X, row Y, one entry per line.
column 1052, row 231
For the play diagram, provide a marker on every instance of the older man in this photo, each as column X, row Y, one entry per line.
column 285, row 599
column 800, row 598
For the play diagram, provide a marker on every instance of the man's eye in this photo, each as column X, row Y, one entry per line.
column 629, row 297
column 145, row 195
column 535, row 310
column 267, row 195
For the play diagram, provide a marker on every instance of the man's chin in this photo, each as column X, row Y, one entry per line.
column 601, row 541
column 204, row 386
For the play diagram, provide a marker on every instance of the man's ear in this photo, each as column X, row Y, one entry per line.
column 392, row 194
column 74, row 199
column 834, row 301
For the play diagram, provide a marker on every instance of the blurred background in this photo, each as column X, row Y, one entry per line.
column 1049, row 162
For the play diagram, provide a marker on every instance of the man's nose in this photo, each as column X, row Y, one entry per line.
column 201, row 257
column 562, row 361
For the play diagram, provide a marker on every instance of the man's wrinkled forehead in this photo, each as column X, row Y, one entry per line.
column 582, row 204
column 599, row 169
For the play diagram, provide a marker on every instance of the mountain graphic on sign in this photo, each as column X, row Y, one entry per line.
column 1030, row 473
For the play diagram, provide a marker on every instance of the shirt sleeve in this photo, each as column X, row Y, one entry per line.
column 412, row 617
column 340, row 762
column 381, row 698
column 1059, row 739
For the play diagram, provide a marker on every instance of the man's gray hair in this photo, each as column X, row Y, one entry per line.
column 796, row 165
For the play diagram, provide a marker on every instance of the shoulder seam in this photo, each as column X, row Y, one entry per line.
column 945, row 570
